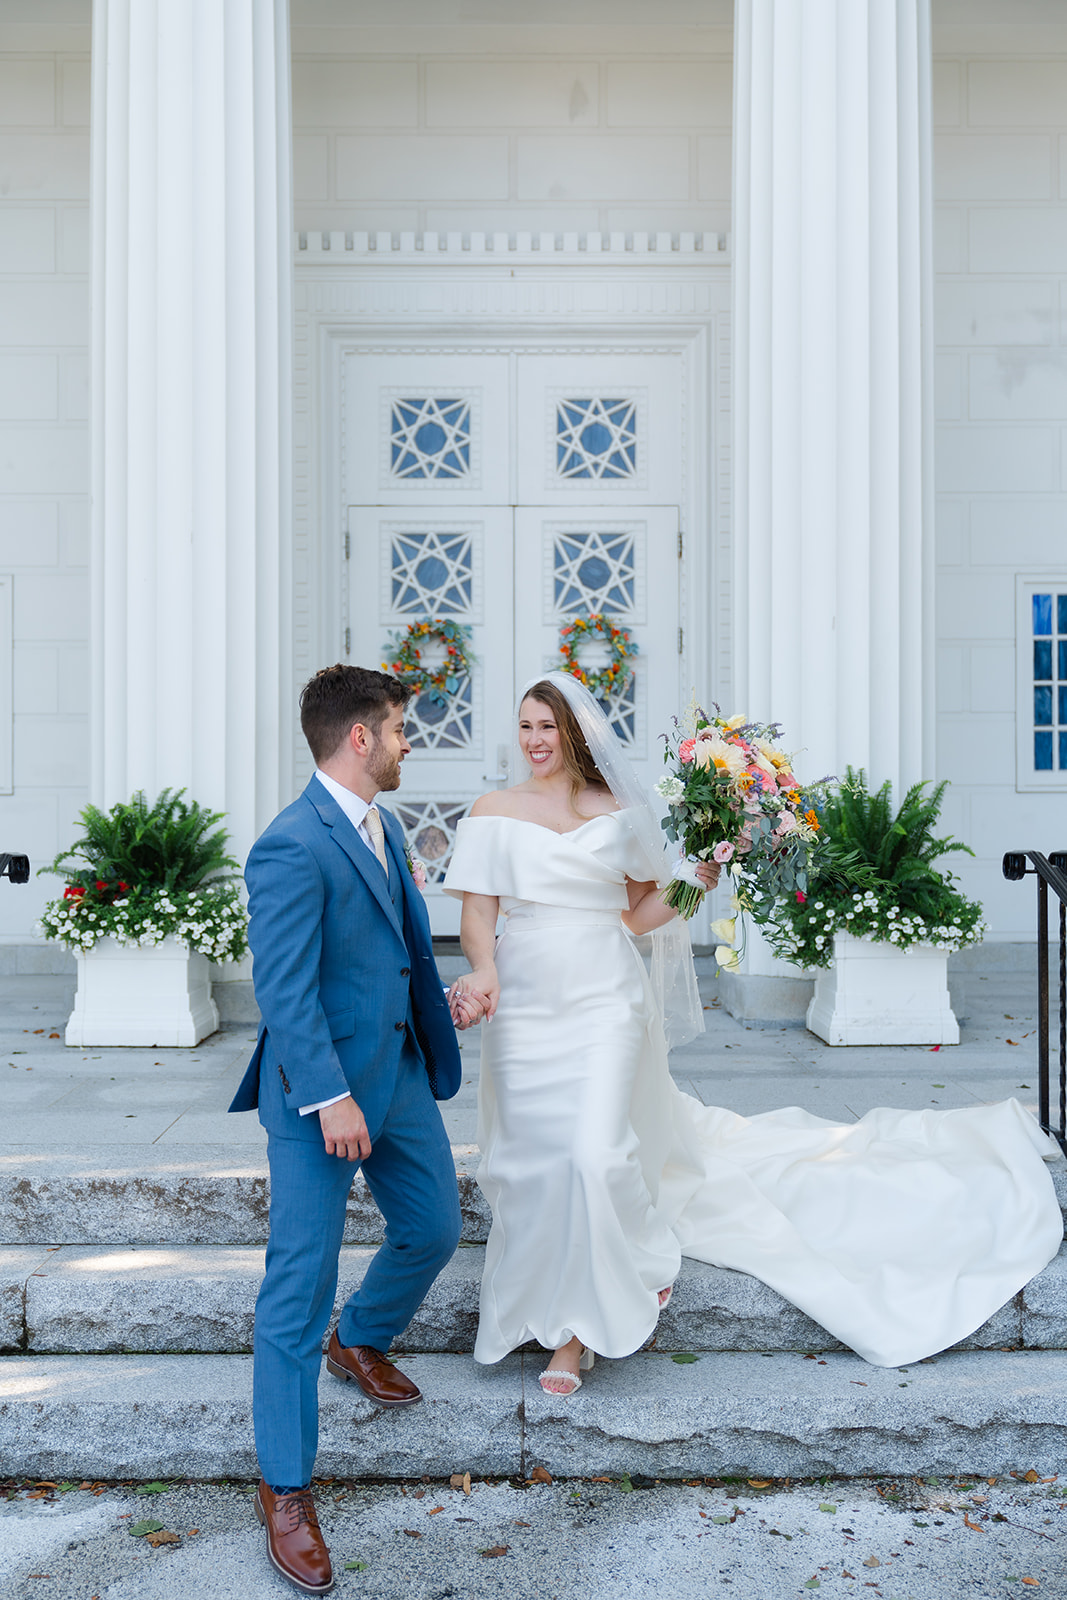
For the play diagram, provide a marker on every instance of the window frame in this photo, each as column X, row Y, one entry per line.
column 1027, row 779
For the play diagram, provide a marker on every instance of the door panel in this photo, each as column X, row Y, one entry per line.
column 457, row 564
column 598, row 427
column 422, row 427
column 570, row 561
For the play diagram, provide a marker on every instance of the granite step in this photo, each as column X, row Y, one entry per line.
column 198, row 1299
column 190, row 1195
column 730, row 1415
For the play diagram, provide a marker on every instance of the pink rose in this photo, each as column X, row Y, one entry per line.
column 786, row 822
column 685, row 750
column 722, row 852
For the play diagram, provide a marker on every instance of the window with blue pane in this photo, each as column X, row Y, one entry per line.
column 430, row 438
column 1048, row 621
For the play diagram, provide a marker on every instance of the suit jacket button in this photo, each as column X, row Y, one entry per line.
column 399, row 1026
column 405, row 972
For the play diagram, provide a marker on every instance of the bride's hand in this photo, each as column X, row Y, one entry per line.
column 708, row 873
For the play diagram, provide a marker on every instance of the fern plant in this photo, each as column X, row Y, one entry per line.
column 140, row 873
column 174, row 845
column 877, row 877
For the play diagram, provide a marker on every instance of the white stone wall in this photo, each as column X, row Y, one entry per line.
column 1000, row 111
column 44, row 458
column 479, row 128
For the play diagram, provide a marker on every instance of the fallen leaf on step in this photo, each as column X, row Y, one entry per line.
column 494, row 1550
column 600, row 1480
column 434, row 1510
column 1011, row 1041
column 461, row 1480
column 162, row 1537
column 759, row 1483
column 976, row 1527
column 846, row 1574
column 139, row 1529
column 540, row 1475
column 1033, row 1582
column 420, row 1494
column 53, row 1035
column 413, row 1533
column 684, row 1358
column 356, row 1566
column 872, row 1561
column 152, row 1488
column 1031, row 1477
column 519, row 1524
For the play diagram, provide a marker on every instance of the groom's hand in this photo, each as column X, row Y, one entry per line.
column 344, row 1129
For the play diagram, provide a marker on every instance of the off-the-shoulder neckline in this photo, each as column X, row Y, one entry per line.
column 565, row 833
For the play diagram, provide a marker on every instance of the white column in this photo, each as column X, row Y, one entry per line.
column 191, row 354
column 832, row 275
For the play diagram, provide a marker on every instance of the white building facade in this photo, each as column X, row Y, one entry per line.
column 746, row 326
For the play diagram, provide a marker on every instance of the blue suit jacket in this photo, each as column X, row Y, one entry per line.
column 338, row 976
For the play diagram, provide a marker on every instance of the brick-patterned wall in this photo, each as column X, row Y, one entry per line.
column 44, row 457
column 1000, row 106
column 488, row 129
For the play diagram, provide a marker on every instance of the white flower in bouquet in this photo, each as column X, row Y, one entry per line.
column 670, row 788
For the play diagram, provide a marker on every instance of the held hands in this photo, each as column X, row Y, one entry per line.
column 474, row 996
column 344, row 1129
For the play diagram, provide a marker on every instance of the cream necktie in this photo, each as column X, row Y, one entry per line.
column 377, row 836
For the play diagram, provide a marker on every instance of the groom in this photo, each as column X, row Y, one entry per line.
column 356, row 1044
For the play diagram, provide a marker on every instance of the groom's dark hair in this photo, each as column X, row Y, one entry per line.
column 338, row 697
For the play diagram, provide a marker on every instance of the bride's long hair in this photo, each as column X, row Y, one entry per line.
column 578, row 763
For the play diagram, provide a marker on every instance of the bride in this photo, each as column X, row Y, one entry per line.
column 901, row 1233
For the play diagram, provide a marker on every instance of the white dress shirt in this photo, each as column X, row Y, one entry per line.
column 355, row 809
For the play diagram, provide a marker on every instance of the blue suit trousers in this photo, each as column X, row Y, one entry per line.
column 411, row 1175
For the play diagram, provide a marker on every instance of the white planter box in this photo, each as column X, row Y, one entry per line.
column 159, row 995
column 876, row 994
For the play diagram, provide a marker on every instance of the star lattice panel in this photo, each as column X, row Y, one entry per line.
column 430, row 829
column 446, row 729
column 430, row 439
column 431, row 572
column 599, row 568
column 596, row 439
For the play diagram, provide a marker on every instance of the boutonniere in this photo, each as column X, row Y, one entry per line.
column 416, row 867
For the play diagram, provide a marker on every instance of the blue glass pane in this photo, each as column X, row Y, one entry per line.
column 430, row 438
column 1042, row 707
column 1063, row 752
column 594, row 572
column 1042, row 605
column 1042, row 752
column 1061, row 613
column 1043, row 658
column 1062, row 652
column 1062, row 718
column 431, row 572
column 597, row 439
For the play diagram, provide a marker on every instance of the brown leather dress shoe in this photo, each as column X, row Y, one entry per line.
column 376, row 1376
column 295, row 1546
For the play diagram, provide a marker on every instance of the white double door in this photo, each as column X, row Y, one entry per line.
column 513, row 492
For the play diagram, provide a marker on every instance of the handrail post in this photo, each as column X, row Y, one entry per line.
column 1042, row 1003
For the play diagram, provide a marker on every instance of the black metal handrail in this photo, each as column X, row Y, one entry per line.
column 1051, row 873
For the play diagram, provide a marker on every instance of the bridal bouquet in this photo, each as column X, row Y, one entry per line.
column 734, row 799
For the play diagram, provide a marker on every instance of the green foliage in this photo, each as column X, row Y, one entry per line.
column 172, row 845
column 141, row 873
column 876, row 877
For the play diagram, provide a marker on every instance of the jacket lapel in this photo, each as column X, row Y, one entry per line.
column 357, row 852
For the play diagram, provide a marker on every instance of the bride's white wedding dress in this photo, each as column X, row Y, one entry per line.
column 900, row 1233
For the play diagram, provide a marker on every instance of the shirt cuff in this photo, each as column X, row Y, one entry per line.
column 320, row 1105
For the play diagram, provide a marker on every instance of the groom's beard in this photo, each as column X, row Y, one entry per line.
column 383, row 768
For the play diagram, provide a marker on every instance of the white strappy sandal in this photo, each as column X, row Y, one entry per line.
column 585, row 1364
column 664, row 1296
